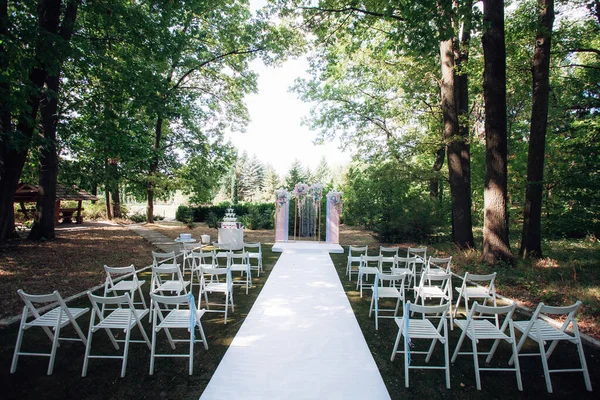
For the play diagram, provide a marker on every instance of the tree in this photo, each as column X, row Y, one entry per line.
column 322, row 172
column 296, row 174
column 531, row 239
column 496, row 245
column 44, row 227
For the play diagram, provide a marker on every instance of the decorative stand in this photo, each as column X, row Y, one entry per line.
column 334, row 209
column 282, row 215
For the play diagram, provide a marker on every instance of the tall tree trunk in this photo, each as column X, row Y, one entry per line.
column 461, row 207
column 152, row 172
column 114, row 181
column 496, row 245
column 434, row 182
column 531, row 239
column 44, row 227
column 462, row 106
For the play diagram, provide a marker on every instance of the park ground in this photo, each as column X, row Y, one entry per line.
column 73, row 263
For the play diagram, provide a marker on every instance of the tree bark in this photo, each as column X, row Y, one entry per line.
column 460, row 194
column 531, row 239
column 434, row 183
column 44, row 227
column 496, row 245
column 152, row 172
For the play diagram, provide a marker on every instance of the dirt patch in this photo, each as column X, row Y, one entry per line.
column 71, row 263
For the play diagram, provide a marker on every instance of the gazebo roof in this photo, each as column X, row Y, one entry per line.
column 29, row 193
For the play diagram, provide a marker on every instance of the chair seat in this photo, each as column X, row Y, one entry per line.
column 370, row 270
column 400, row 271
column 354, row 259
column 216, row 287
column 118, row 319
column 549, row 333
column 254, row 255
column 239, row 268
column 50, row 318
column 432, row 291
column 172, row 286
column 388, row 292
column 126, row 286
column 475, row 292
column 178, row 319
column 420, row 328
column 484, row 329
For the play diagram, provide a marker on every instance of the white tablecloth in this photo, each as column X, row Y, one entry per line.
column 234, row 238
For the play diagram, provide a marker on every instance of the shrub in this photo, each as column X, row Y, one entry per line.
column 212, row 220
column 138, row 218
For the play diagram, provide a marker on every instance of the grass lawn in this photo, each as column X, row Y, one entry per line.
column 74, row 262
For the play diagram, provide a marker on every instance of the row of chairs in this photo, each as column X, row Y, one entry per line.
column 477, row 329
column 433, row 280
column 124, row 317
column 172, row 304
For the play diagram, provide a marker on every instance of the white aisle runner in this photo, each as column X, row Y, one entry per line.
column 299, row 341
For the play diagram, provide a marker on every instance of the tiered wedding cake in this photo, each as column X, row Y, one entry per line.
column 229, row 220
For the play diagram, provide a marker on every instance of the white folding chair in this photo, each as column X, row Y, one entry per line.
column 159, row 259
column 220, row 257
column 239, row 262
column 200, row 259
column 436, row 265
column 540, row 331
column 421, row 254
column 217, row 286
column 254, row 255
column 387, row 286
column 124, row 318
column 187, row 260
column 56, row 318
column 405, row 265
column 484, row 289
column 369, row 265
column 439, row 286
column 116, row 283
column 477, row 329
column 167, row 278
column 176, row 319
column 388, row 255
column 353, row 263
column 422, row 328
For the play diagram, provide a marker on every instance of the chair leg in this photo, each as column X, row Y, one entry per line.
column 458, row 345
column 88, row 348
column 54, row 347
column 516, row 356
column 545, row 366
column 457, row 304
column 586, row 374
column 191, row 361
column 476, row 363
column 447, row 356
column 153, row 351
column 394, row 351
column 15, row 359
column 125, row 353
column 406, row 360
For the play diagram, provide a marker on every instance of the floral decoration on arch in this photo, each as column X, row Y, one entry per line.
column 335, row 199
column 316, row 191
column 282, row 196
column 300, row 190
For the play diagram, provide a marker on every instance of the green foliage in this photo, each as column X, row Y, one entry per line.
column 260, row 216
column 212, row 220
column 138, row 218
column 380, row 197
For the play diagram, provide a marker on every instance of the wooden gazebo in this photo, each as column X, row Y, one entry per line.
column 27, row 193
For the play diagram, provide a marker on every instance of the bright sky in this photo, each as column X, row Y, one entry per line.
column 275, row 133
